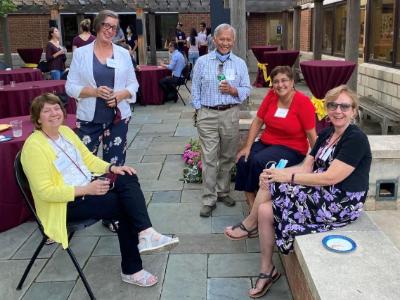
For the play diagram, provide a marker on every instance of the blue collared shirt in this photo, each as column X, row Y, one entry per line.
column 177, row 63
column 205, row 83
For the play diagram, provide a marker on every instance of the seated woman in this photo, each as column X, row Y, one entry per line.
column 327, row 191
column 59, row 169
column 289, row 119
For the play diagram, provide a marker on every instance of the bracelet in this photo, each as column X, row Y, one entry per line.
column 292, row 180
column 109, row 168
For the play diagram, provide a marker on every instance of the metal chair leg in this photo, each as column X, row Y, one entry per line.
column 78, row 268
column 180, row 96
column 28, row 268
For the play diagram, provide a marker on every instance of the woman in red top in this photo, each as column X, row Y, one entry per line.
column 289, row 119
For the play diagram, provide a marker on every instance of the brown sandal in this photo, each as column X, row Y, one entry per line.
column 271, row 279
column 252, row 233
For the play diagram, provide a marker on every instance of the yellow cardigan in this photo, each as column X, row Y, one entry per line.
column 49, row 191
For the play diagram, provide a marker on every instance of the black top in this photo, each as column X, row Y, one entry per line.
column 54, row 63
column 180, row 35
column 353, row 149
column 104, row 76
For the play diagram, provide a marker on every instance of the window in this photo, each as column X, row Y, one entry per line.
column 328, row 31
column 165, row 30
column 340, row 30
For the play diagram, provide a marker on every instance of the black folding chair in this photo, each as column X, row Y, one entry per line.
column 183, row 79
column 72, row 227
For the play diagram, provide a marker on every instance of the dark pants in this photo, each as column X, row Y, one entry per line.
column 113, row 136
column 124, row 202
column 168, row 85
column 248, row 173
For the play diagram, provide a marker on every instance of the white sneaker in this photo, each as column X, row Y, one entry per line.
column 143, row 281
column 149, row 243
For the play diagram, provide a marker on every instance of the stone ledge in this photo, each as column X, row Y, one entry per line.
column 370, row 272
column 385, row 146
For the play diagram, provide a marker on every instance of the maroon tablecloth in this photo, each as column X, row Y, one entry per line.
column 273, row 59
column 20, row 75
column 13, row 210
column 15, row 101
column 149, row 90
column 323, row 75
column 259, row 51
column 30, row 55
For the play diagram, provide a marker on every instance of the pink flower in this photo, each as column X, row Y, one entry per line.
column 190, row 161
column 188, row 146
column 200, row 165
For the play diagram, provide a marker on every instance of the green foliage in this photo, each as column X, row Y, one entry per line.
column 6, row 6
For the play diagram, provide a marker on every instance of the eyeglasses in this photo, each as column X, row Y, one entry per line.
column 276, row 82
column 332, row 106
column 108, row 26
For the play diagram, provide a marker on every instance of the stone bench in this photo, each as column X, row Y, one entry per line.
column 370, row 272
column 387, row 116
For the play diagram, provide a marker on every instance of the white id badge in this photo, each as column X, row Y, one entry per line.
column 111, row 63
column 230, row 74
column 281, row 112
column 61, row 163
column 326, row 154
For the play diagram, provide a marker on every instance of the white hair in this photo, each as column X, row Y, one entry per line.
column 225, row 26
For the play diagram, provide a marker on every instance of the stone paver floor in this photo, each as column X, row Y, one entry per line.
column 205, row 265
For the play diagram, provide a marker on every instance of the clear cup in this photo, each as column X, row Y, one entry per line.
column 12, row 83
column 16, row 128
column 1, row 84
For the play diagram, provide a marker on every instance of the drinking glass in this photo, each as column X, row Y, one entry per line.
column 16, row 128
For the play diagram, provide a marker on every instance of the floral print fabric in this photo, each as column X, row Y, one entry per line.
column 300, row 210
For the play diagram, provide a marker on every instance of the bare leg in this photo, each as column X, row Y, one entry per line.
column 250, row 198
column 267, row 241
column 251, row 220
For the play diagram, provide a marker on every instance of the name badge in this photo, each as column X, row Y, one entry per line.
column 111, row 63
column 230, row 74
column 281, row 112
column 61, row 163
column 326, row 154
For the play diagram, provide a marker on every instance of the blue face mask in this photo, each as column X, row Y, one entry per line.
column 222, row 57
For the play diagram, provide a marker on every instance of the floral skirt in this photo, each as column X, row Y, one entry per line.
column 300, row 210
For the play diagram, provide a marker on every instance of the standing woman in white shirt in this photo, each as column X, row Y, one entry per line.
column 193, row 45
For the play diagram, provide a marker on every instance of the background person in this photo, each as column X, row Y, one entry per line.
column 180, row 38
column 55, row 54
column 59, row 169
column 216, row 101
column 193, row 45
column 85, row 37
column 210, row 40
column 132, row 40
column 327, row 191
column 202, row 34
column 289, row 119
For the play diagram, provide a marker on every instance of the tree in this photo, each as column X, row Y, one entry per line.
column 6, row 6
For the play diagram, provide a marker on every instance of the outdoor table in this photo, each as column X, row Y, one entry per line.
column 20, row 75
column 321, row 76
column 270, row 60
column 30, row 56
column 15, row 101
column 259, row 51
column 13, row 210
column 150, row 91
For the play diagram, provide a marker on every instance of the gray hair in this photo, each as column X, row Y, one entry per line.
column 101, row 16
column 222, row 27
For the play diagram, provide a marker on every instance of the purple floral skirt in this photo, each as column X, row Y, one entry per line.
column 300, row 210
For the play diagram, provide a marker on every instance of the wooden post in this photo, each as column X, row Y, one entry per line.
column 142, row 42
column 55, row 15
column 238, row 20
column 6, row 41
column 352, row 38
column 285, row 31
column 317, row 29
column 152, row 36
column 296, row 39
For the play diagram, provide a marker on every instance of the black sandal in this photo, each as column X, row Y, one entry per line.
column 252, row 233
column 271, row 279
column 111, row 225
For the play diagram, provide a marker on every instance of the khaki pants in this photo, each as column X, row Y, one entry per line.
column 219, row 137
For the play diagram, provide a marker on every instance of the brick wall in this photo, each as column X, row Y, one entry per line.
column 256, row 30
column 305, row 30
column 190, row 21
column 27, row 31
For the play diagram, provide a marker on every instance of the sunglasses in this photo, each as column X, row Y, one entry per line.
column 332, row 106
column 108, row 26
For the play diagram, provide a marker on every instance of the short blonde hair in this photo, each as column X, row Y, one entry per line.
column 334, row 93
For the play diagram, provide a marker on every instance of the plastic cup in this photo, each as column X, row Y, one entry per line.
column 12, row 83
column 16, row 128
column 1, row 84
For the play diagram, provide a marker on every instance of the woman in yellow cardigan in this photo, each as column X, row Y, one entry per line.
column 60, row 171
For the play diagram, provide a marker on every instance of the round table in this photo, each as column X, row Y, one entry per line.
column 271, row 59
column 13, row 210
column 20, row 75
column 323, row 75
column 259, row 51
column 30, row 55
column 15, row 101
column 150, row 91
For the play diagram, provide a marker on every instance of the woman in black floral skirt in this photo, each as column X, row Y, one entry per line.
column 326, row 192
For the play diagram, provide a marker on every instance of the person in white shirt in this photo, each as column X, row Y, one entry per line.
column 193, row 45
column 202, row 34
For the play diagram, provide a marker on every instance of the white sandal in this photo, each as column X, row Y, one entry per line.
column 142, row 281
column 149, row 244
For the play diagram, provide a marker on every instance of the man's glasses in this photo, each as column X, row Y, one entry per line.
column 276, row 82
column 108, row 26
column 332, row 106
